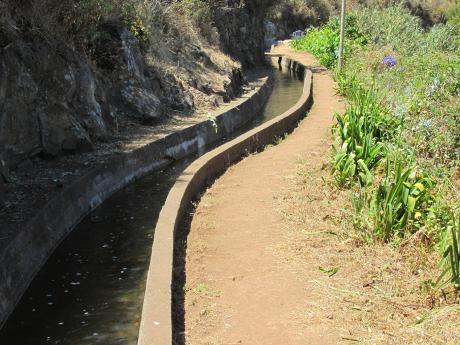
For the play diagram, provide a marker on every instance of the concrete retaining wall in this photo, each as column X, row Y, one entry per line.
column 156, row 323
column 30, row 248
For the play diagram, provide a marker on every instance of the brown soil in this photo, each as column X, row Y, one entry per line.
column 272, row 259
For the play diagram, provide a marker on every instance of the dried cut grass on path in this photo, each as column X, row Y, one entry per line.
column 371, row 293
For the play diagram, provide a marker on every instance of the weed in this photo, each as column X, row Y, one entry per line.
column 212, row 119
column 323, row 42
column 451, row 258
column 401, row 201
column 329, row 271
column 360, row 131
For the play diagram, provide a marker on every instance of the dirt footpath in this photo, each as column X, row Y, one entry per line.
column 273, row 258
column 237, row 290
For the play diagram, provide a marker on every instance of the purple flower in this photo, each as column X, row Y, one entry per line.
column 389, row 61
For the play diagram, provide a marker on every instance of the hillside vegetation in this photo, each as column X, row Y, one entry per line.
column 78, row 73
column 398, row 144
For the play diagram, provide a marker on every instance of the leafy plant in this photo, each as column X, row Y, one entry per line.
column 348, row 164
column 329, row 271
column 451, row 258
column 323, row 42
column 401, row 201
column 360, row 130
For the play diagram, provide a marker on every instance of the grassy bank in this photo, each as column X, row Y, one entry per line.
column 397, row 145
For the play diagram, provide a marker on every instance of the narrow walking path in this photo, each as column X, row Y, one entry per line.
column 238, row 291
column 273, row 256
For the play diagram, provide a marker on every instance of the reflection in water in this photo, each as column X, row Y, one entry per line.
column 91, row 289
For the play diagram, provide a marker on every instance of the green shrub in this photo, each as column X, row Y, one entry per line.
column 361, row 131
column 323, row 42
column 392, row 26
column 451, row 258
column 402, row 201
column 453, row 13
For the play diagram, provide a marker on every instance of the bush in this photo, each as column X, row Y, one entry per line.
column 451, row 256
column 361, row 131
column 323, row 42
column 298, row 14
column 201, row 14
column 78, row 22
column 393, row 26
column 402, row 201
column 453, row 13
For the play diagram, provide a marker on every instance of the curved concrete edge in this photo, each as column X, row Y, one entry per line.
column 156, row 324
column 28, row 251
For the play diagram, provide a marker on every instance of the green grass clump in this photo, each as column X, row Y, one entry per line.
column 360, row 131
column 401, row 202
column 451, row 257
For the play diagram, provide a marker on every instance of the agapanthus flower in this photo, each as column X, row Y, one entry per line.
column 389, row 61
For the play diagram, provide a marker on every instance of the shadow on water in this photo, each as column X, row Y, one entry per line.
column 91, row 289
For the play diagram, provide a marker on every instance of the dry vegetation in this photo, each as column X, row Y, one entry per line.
column 372, row 294
column 393, row 274
column 169, row 32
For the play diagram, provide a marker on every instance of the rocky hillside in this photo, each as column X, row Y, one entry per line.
column 73, row 74
column 76, row 73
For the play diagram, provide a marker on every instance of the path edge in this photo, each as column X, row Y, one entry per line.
column 156, row 326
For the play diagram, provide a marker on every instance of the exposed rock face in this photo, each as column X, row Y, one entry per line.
column 54, row 102
column 47, row 102
column 139, row 92
column 241, row 35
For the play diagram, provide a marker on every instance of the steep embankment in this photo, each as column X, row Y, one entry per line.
column 81, row 83
column 57, row 98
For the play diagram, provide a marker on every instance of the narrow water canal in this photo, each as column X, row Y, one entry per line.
column 91, row 289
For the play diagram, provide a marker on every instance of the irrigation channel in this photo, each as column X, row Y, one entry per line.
column 91, row 289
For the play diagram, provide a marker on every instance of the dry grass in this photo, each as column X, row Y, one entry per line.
column 379, row 293
column 299, row 13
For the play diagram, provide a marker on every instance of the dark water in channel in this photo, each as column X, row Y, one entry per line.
column 91, row 289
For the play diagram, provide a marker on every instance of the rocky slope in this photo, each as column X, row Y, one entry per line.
column 53, row 101
column 57, row 100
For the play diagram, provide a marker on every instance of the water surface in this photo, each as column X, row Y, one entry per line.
column 91, row 289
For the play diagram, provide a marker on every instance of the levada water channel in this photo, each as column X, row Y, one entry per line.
column 91, row 289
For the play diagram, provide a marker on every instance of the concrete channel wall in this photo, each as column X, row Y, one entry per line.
column 28, row 251
column 156, row 324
